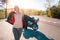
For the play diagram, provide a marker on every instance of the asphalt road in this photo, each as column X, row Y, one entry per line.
column 49, row 26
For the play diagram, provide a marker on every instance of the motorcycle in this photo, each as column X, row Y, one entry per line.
column 29, row 33
column 30, row 22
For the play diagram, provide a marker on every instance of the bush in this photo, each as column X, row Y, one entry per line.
column 55, row 12
column 2, row 14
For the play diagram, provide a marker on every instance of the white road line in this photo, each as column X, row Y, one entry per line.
column 49, row 21
column 54, row 22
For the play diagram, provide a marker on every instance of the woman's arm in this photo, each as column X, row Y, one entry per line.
column 10, row 18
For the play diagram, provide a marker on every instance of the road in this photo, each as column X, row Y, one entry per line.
column 49, row 26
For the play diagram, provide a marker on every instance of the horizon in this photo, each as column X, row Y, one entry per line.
column 30, row 4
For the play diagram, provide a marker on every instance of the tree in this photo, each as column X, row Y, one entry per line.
column 2, row 7
column 48, row 7
column 1, row 3
column 2, row 15
column 55, row 12
column 6, row 2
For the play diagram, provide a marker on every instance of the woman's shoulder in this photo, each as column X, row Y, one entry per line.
column 12, row 12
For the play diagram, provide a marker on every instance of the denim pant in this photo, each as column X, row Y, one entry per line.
column 17, row 33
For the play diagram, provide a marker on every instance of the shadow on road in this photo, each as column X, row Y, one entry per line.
column 34, row 33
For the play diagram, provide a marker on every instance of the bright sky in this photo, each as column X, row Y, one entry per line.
column 29, row 4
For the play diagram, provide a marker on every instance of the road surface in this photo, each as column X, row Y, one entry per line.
column 49, row 26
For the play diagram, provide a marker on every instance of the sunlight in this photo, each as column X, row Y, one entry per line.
column 26, row 4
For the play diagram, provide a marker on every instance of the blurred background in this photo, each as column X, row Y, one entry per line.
column 49, row 8
column 48, row 12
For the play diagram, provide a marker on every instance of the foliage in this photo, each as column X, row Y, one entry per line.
column 55, row 12
column 2, row 14
column 48, row 12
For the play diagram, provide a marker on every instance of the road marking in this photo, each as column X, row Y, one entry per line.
column 54, row 22
column 49, row 21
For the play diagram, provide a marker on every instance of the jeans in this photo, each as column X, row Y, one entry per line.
column 17, row 33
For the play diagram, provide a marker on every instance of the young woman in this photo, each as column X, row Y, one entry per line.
column 16, row 18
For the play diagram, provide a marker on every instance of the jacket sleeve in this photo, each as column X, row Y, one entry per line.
column 10, row 18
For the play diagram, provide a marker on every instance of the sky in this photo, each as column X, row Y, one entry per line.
column 30, row 4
